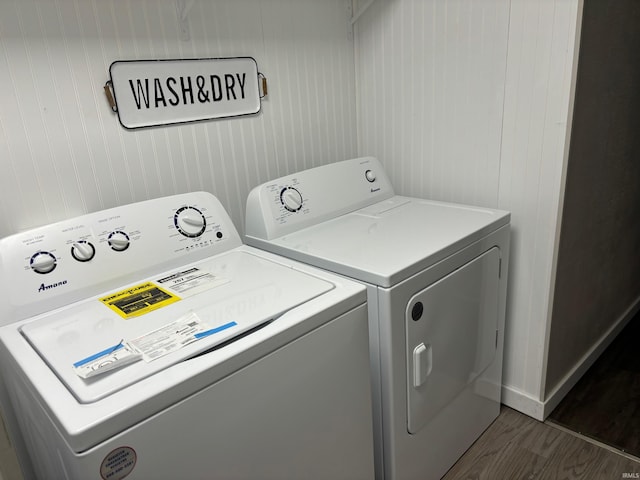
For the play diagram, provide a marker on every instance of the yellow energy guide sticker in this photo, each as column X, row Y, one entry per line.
column 138, row 300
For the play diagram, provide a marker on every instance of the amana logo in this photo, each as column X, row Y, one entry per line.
column 44, row 287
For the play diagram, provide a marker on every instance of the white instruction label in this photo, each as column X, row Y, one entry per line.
column 107, row 360
column 190, row 282
column 170, row 338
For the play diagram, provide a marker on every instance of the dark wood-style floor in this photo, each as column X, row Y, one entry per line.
column 518, row 447
column 605, row 403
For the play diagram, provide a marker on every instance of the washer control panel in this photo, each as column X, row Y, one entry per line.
column 305, row 198
column 74, row 258
column 190, row 221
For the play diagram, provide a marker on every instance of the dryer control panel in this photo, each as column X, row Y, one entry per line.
column 306, row 198
column 58, row 264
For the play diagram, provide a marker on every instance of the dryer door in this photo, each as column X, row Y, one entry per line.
column 451, row 332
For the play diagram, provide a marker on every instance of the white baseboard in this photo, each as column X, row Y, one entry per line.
column 540, row 410
column 522, row 402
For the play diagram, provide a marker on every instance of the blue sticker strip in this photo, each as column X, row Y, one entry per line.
column 206, row 333
column 99, row 354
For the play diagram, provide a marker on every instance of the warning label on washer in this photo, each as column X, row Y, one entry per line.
column 138, row 300
column 190, row 282
column 118, row 463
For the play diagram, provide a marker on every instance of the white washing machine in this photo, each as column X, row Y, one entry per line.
column 436, row 277
column 147, row 342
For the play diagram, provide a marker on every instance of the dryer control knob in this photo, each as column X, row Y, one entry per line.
column 118, row 241
column 42, row 262
column 83, row 251
column 291, row 199
column 370, row 175
column 190, row 222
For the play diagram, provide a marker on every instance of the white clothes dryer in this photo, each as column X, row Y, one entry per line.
column 147, row 342
column 436, row 277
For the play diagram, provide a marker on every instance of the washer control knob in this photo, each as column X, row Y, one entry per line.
column 118, row 241
column 370, row 175
column 42, row 262
column 190, row 222
column 291, row 199
column 83, row 251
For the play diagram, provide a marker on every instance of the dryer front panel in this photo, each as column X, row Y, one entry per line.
column 451, row 332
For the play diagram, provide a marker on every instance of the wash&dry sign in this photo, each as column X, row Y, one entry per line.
column 161, row 92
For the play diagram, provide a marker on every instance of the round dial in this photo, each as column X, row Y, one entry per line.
column 291, row 199
column 42, row 262
column 190, row 222
column 83, row 251
column 118, row 241
column 370, row 175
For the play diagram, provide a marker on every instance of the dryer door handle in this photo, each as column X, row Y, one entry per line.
column 422, row 364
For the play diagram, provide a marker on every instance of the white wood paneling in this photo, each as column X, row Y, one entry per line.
column 468, row 101
column 540, row 80
column 63, row 152
column 431, row 78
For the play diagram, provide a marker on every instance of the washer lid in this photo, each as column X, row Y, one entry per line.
column 222, row 297
column 389, row 241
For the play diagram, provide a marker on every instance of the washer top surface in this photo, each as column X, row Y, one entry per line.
column 391, row 240
column 228, row 295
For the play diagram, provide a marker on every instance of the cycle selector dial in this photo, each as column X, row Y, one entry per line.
column 83, row 251
column 190, row 222
column 42, row 262
column 119, row 241
column 291, row 199
column 370, row 175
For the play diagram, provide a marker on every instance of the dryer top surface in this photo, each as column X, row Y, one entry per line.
column 388, row 241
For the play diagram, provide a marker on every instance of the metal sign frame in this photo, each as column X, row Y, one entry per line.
column 148, row 93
